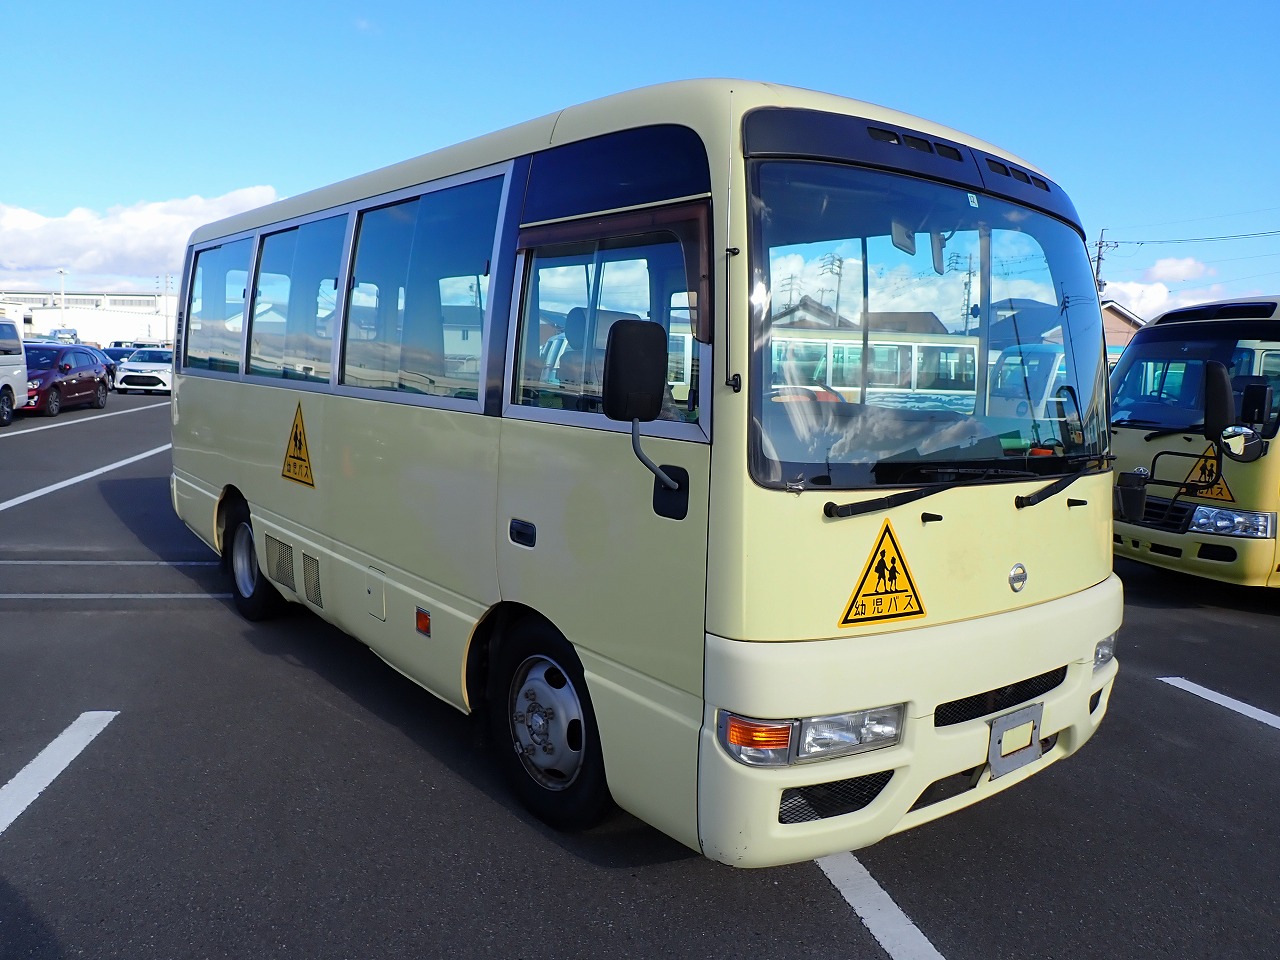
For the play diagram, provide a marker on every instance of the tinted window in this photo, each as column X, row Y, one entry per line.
column 216, row 311
column 415, row 322
column 41, row 358
column 295, row 301
column 626, row 169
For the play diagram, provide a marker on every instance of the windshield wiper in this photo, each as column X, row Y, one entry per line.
column 1044, row 493
column 1135, row 423
column 834, row 510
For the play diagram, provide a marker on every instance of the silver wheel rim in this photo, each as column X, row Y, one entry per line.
column 244, row 562
column 547, row 727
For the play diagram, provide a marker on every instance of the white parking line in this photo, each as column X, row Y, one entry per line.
column 115, row 596
column 892, row 928
column 71, row 423
column 53, row 488
column 110, row 563
column 1239, row 706
column 21, row 791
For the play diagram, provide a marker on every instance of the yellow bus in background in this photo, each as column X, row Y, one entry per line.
column 524, row 416
column 1211, row 483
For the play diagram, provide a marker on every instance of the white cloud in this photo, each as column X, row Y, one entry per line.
column 1176, row 269
column 125, row 248
column 1149, row 300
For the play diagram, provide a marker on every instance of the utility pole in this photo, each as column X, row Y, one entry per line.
column 1097, row 263
column 834, row 265
column 62, row 295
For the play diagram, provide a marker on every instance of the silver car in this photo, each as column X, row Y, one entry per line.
column 147, row 370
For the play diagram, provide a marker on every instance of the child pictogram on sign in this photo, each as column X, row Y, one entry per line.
column 297, row 461
column 1205, row 470
column 886, row 590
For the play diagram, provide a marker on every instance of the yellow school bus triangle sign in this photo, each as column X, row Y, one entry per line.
column 297, row 462
column 1203, row 472
column 886, row 590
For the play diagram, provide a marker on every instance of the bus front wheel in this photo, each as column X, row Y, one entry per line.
column 544, row 729
column 255, row 597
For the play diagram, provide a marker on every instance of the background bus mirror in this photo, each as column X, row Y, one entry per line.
column 1130, row 500
column 1219, row 403
column 937, row 242
column 1242, row 443
column 635, row 370
column 1255, row 403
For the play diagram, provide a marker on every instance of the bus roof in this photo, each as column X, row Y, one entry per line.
column 1255, row 308
column 702, row 105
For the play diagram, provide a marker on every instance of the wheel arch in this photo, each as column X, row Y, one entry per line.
column 500, row 622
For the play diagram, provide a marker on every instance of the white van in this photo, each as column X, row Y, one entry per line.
column 13, row 371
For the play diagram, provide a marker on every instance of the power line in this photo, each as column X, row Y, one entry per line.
column 1237, row 236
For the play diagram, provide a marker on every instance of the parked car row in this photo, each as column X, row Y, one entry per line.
column 62, row 375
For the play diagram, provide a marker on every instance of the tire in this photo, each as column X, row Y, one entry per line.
column 53, row 402
column 122, row 391
column 544, row 729
column 100, row 395
column 6, row 407
column 255, row 597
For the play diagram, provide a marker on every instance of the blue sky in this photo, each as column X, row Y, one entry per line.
column 127, row 126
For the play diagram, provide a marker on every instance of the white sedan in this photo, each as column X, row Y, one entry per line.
column 146, row 370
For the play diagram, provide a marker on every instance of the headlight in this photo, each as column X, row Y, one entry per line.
column 776, row 743
column 1233, row 523
column 34, row 384
column 1104, row 652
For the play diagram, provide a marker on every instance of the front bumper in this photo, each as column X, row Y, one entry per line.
column 752, row 816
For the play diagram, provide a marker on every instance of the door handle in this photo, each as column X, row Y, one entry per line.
column 523, row 533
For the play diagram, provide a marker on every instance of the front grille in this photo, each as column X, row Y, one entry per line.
column 994, row 701
column 1170, row 515
column 140, row 380
column 280, row 561
column 823, row 800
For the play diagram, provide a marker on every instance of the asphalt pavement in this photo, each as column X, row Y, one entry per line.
column 275, row 790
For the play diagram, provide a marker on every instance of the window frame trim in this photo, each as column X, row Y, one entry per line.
column 510, row 190
column 598, row 228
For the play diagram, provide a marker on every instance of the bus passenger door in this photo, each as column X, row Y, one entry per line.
column 587, row 537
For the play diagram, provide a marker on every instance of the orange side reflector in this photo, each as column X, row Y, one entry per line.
column 762, row 736
column 423, row 622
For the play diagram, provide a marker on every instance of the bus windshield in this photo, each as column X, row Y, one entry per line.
column 908, row 332
column 1158, row 383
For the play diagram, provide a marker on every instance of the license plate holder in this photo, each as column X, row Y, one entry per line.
column 1008, row 727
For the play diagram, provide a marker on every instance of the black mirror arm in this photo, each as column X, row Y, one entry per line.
column 665, row 480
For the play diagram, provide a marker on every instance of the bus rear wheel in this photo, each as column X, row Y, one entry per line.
column 255, row 597
column 544, row 729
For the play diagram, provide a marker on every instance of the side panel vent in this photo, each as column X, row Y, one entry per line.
column 280, row 562
column 311, row 579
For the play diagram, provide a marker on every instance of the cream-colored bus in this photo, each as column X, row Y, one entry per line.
column 1210, row 480
column 509, row 414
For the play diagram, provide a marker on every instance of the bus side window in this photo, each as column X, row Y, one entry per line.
column 575, row 292
column 420, row 292
column 216, row 310
column 294, row 300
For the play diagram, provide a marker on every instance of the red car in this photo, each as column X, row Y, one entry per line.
column 61, row 375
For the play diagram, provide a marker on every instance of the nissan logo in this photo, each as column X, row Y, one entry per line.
column 1017, row 578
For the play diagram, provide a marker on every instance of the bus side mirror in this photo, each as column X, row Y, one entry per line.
column 1219, row 403
column 1255, row 404
column 635, row 381
column 635, row 371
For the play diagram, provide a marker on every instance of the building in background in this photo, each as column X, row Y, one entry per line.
column 97, row 318
column 1118, row 326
